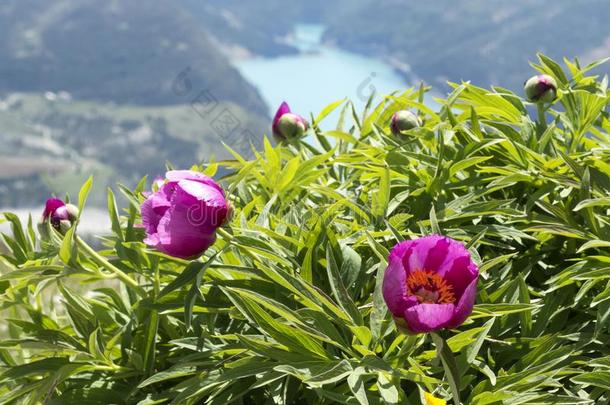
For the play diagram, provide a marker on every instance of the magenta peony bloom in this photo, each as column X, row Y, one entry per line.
column 288, row 126
column 60, row 214
column 430, row 284
column 181, row 217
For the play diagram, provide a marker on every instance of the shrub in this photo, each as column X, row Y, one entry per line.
column 286, row 307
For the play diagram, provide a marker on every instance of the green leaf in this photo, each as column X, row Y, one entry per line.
column 338, row 289
column 355, row 380
column 68, row 250
column 18, row 233
column 389, row 391
column 327, row 110
column 379, row 313
column 189, row 274
column 84, row 193
column 114, row 215
column 599, row 379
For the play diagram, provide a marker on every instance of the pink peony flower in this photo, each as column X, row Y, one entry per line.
column 288, row 126
column 430, row 284
column 181, row 217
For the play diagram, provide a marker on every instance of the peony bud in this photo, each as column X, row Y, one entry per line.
column 288, row 126
column 181, row 217
column 404, row 120
column 541, row 89
column 61, row 216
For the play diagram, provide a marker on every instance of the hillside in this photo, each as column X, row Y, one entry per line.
column 487, row 42
column 259, row 27
column 113, row 51
column 51, row 144
column 84, row 84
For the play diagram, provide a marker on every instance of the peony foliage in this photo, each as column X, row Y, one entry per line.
column 286, row 304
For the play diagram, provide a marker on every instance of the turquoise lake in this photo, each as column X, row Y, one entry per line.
column 319, row 75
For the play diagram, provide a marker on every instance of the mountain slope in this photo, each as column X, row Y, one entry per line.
column 51, row 145
column 486, row 41
column 116, row 51
column 115, row 89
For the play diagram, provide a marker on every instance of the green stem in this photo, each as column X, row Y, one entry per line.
column 157, row 280
column 406, row 349
column 225, row 235
column 451, row 371
column 101, row 261
column 541, row 117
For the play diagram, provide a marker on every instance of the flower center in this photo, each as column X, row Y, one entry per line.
column 429, row 287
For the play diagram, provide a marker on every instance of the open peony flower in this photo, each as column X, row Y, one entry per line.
column 430, row 284
column 61, row 215
column 288, row 126
column 181, row 216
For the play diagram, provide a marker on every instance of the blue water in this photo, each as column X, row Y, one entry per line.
column 319, row 75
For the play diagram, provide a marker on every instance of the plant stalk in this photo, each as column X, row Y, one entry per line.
column 449, row 364
column 541, row 117
column 100, row 260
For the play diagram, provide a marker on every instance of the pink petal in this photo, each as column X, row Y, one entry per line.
column 422, row 247
column 60, row 213
column 395, row 283
column 181, row 218
column 458, row 268
column 438, row 253
column 150, row 219
column 428, row 317
column 463, row 309
column 152, row 240
column 51, row 205
column 177, row 175
column 447, row 257
column 203, row 192
column 283, row 109
column 178, row 237
column 160, row 201
column 206, row 205
column 461, row 274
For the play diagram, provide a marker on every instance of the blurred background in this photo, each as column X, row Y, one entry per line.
column 116, row 88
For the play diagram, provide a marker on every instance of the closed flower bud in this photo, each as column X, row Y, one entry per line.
column 288, row 126
column 541, row 89
column 181, row 217
column 61, row 216
column 404, row 120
